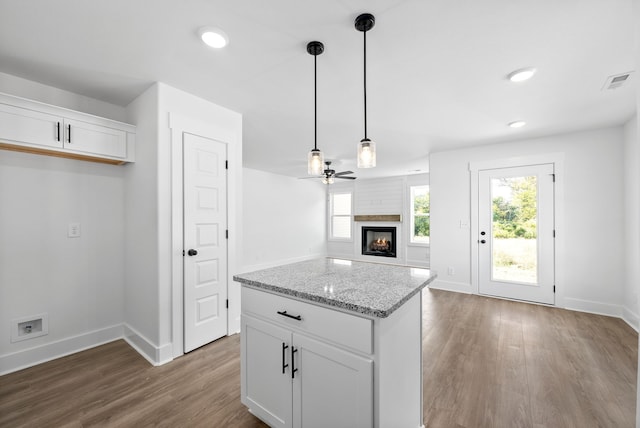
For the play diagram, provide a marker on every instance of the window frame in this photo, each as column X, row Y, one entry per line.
column 411, row 241
column 330, row 216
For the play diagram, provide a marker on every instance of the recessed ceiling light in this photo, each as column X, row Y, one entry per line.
column 522, row 74
column 518, row 124
column 214, row 37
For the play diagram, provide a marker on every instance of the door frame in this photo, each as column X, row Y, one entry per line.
column 178, row 126
column 557, row 159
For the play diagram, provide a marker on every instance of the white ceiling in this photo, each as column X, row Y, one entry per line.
column 436, row 68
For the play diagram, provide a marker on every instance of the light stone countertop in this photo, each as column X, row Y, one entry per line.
column 372, row 289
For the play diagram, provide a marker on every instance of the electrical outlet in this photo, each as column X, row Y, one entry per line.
column 73, row 230
column 451, row 271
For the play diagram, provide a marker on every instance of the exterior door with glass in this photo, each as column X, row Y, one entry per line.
column 516, row 233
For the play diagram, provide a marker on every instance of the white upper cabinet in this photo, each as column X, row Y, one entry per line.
column 19, row 124
column 85, row 137
column 34, row 127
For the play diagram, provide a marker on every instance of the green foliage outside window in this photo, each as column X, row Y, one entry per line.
column 421, row 217
column 516, row 217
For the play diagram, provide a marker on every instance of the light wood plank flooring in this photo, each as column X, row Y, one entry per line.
column 488, row 363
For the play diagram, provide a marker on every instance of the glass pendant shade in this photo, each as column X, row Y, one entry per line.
column 366, row 154
column 315, row 164
column 328, row 180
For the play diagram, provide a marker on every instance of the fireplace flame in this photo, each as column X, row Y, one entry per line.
column 380, row 244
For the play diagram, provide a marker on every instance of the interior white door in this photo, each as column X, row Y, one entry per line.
column 205, row 243
column 516, row 233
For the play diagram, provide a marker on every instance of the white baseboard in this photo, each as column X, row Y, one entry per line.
column 156, row 355
column 631, row 318
column 592, row 307
column 50, row 351
column 608, row 309
column 459, row 287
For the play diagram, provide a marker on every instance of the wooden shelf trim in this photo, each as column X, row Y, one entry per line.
column 378, row 217
column 68, row 155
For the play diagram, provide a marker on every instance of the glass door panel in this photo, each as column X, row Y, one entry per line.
column 514, row 229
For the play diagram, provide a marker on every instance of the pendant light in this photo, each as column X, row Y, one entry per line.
column 366, row 147
column 315, row 162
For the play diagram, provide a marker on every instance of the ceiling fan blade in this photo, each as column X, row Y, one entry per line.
column 343, row 173
column 346, row 178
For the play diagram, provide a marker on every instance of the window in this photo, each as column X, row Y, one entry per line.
column 420, row 220
column 340, row 215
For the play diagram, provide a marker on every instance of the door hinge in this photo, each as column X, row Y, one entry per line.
column 554, row 288
column 226, row 164
column 554, row 233
column 227, row 303
column 553, row 177
column 226, row 233
column 182, row 253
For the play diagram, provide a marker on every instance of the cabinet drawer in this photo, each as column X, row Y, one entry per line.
column 346, row 330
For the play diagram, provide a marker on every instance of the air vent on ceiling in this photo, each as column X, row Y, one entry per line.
column 617, row 80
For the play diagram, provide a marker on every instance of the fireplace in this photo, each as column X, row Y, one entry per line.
column 379, row 241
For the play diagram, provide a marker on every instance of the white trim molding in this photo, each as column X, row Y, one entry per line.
column 557, row 159
column 53, row 350
column 156, row 355
column 180, row 125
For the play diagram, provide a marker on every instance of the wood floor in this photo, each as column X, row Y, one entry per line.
column 487, row 363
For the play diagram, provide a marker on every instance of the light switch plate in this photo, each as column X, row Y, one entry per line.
column 73, row 231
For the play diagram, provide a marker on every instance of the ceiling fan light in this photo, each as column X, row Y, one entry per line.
column 315, row 164
column 328, row 180
column 366, row 153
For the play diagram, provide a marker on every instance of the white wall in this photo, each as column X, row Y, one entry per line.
column 636, row 14
column 141, row 244
column 389, row 195
column 24, row 88
column 593, row 232
column 284, row 219
column 151, row 295
column 78, row 282
column 631, row 221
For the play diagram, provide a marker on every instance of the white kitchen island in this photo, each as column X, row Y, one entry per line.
column 333, row 343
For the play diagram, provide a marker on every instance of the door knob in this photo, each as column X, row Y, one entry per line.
column 192, row 252
column 483, row 233
column 482, row 241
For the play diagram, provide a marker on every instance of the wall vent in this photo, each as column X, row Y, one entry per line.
column 29, row 327
column 617, row 80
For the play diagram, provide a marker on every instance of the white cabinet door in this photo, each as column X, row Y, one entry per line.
column 332, row 388
column 89, row 138
column 31, row 127
column 266, row 371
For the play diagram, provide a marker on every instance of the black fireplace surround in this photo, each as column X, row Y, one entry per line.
column 379, row 241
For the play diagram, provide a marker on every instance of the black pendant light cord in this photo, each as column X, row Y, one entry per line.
column 315, row 103
column 365, row 85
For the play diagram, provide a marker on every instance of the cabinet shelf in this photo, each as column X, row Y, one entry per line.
column 32, row 127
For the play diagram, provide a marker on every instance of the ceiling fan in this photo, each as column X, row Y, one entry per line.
column 328, row 175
